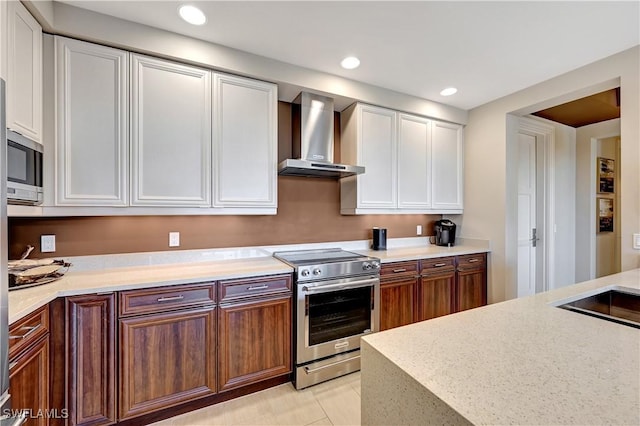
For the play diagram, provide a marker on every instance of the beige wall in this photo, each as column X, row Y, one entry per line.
column 490, row 199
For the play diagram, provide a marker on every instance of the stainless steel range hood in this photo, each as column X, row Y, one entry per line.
column 313, row 141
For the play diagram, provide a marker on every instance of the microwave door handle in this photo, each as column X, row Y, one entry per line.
column 341, row 286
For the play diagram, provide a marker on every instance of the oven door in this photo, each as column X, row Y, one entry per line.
column 333, row 315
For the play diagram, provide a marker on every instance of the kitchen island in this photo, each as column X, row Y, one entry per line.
column 523, row 361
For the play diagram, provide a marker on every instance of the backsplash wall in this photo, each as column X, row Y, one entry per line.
column 308, row 211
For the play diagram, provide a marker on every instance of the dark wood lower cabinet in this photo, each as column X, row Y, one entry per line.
column 91, row 359
column 437, row 294
column 445, row 285
column 29, row 383
column 166, row 359
column 254, row 341
column 398, row 304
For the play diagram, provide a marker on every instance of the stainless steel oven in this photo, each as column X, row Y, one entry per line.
column 337, row 302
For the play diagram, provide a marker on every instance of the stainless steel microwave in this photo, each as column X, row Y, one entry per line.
column 24, row 170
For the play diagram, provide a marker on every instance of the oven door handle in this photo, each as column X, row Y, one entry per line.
column 342, row 286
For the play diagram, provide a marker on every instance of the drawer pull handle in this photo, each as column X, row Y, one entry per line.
column 170, row 299
column 28, row 333
column 439, row 265
column 258, row 287
column 474, row 260
column 395, row 271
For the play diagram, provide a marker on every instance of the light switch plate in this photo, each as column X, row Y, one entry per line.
column 47, row 243
column 636, row 241
column 174, row 239
column 419, row 230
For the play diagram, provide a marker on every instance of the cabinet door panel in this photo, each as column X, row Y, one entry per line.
column 245, row 141
column 166, row 359
column 377, row 153
column 414, row 146
column 254, row 342
column 472, row 289
column 91, row 358
column 447, row 161
column 398, row 303
column 24, row 79
column 92, row 122
column 437, row 295
column 171, row 133
column 29, row 382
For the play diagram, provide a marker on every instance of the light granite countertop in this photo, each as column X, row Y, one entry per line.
column 99, row 274
column 25, row 301
column 422, row 252
column 522, row 361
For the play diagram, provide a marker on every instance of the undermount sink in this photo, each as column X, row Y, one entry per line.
column 618, row 304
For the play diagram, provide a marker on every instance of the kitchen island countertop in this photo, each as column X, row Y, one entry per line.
column 522, row 361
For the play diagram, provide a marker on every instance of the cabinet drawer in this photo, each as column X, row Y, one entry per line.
column 27, row 330
column 473, row 261
column 398, row 269
column 431, row 266
column 238, row 289
column 166, row 298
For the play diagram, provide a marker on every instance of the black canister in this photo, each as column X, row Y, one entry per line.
column 379, row 239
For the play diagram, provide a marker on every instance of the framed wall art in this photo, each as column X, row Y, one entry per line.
column 606, row 175
column 605, row 214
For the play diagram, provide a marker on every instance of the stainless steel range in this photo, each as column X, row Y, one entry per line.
column 337, row 297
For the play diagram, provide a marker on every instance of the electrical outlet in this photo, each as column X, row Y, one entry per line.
column 174, row 239
column 636, row 241
column 419, row 230
column 47, row 243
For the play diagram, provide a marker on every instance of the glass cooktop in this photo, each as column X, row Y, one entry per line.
column 306, row 257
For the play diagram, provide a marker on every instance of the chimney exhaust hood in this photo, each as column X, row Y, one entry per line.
column 313, row 141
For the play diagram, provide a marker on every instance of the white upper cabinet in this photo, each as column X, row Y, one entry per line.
column 414, row 162
column 245, row 142
column 413, row 165
column 447, row 164
column 170, row 133
column 4, row 33
column 92, row 124
column 24, row 72
column 369, row 139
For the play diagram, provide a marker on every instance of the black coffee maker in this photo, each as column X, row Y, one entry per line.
column 445, row 232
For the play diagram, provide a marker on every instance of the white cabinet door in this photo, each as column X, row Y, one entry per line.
column 245, row 142
column 4, row 33
column 414, row 162
column 369, row 140
column 447, row 174
column 170, row 133
column 24, row 73
column 92, row 124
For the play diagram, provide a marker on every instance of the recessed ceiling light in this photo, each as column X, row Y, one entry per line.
column 192, row 15
column 449, row 91
column 350, row 62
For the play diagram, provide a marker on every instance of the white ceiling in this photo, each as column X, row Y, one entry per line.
column 485, row 49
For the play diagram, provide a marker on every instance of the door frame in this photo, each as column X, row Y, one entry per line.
column 544, row 133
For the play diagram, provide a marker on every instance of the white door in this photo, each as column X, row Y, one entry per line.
column 170, row 133
column 531, row 221
column 414, row 170
column 244, row 142
column 92, row 136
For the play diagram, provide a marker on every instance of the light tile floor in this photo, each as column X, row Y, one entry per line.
column 336, row 402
